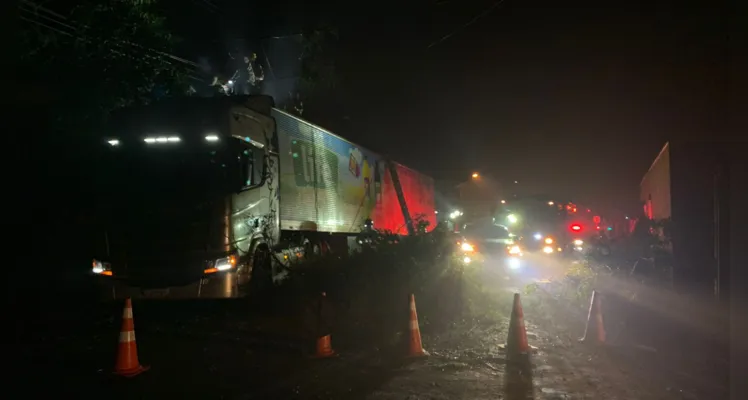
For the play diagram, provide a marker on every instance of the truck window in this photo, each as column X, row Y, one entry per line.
column 253, row 165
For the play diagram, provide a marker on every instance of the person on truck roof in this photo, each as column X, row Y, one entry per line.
column 252, row 74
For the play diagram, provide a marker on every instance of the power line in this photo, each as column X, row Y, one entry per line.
column 59, row 17
column 74, row 31
column 76, row 35
column 207, row 5
column 47, row 26
column 472, row 21
column 39, row 7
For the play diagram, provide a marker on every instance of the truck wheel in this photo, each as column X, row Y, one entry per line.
column 261, row 280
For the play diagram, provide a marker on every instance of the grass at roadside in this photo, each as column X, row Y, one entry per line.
column 366, row 294
column 575, row 289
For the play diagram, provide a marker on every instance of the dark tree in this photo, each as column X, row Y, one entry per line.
column 318, row 58
column 98, row 57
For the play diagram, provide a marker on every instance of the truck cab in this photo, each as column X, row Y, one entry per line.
column 186, row 197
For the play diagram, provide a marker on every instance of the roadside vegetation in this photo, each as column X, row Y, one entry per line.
column 366, row 294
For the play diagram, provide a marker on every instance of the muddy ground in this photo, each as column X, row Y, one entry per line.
column 225, row 349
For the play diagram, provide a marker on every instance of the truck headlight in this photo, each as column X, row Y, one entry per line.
column 222, row 264
column 101, row 268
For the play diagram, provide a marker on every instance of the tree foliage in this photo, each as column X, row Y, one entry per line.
column 99, row 57
column 318, row 58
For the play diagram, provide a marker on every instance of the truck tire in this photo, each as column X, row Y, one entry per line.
column 261, row 279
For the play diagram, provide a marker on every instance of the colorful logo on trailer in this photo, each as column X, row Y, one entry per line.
column 354, row 162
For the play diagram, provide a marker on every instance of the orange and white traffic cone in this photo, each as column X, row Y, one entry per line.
column 324, row 344
column 595, row 330
column 324, row 348
column 415, row 346
column 516, row 343
column 127, row 353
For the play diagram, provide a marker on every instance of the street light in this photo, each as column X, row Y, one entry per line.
column 475, row 175
column 503, row 201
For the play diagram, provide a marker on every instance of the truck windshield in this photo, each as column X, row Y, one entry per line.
column 165, row 172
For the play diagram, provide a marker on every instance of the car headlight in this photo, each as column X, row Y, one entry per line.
column 515, row 250
column 547, row 249
column 467, row 247
column 537, row 236
column 514, row 263
column 548, row 240
column 578, row 242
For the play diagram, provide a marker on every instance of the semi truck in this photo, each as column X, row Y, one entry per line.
column 685, row 198
column 197, row 196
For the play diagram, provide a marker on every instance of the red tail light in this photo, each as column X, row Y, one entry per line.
column 575, row 227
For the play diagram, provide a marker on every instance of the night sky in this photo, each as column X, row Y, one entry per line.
column 569, row 98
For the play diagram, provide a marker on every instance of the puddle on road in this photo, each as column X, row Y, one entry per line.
column 554, row 394
column 450, row 366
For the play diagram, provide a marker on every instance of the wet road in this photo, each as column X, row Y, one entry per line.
column 217, row 346
column 649, row 345
column 469, row 363
column 532, row 268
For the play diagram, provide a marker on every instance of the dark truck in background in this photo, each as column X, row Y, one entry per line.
column 197, row 196
column 686, row 198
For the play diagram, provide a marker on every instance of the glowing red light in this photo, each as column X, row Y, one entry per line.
column 576, row 227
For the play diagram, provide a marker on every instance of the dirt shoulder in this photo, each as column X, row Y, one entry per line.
column 667, row 343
